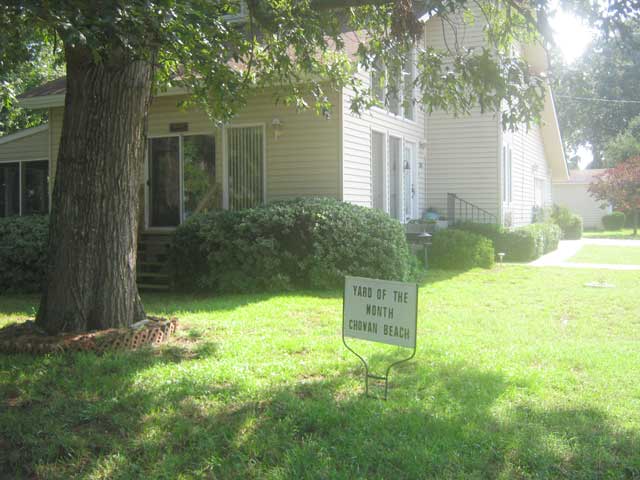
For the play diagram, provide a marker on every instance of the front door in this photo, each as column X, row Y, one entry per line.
column 164, row 182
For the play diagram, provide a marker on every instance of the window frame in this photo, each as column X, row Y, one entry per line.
column 401, row 86
column 147, row 174
column 225, row 162
column 21, row 182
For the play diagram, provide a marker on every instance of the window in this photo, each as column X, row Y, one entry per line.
column 538, row 192
column 9, row 189
column 237, row 11
column 200, row 192
column 245, row 154
column 507, row 187
column 35, row 191
column 378, row 83
column 408, row 79
column 377, row 171
column 24, row 188
column 396, row 92
column 182, row 178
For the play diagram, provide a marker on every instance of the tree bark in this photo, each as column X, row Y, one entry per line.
column 91, row 274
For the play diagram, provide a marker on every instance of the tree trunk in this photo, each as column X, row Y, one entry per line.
column 636, row 214
column 91, row 274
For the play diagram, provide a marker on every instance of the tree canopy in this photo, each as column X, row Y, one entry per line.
column 620, row 186
column 220, row 54
column 599, row 94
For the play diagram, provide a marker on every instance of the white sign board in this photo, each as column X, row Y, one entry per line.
column 380, row 311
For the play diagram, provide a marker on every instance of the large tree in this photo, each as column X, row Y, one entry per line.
column 620, row 187
column 117, row 53
column 597, row 96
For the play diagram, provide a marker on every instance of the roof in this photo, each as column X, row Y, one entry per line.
column 583, row 177
column 54, row 87
column 552, row 139
column 51, row 94
column 27, row 132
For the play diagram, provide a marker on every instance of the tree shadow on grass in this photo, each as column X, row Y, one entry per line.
column 156, row 415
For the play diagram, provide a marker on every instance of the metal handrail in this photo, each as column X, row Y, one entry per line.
column 455, row 206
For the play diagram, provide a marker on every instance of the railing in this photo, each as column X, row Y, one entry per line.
column 459, row 210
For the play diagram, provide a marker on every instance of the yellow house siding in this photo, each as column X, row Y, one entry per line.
column 55, row 127
column 528, row 164
column 303, row 161
column 463, row 152
column 575, row 196
column 462, row 158
column 32, row 147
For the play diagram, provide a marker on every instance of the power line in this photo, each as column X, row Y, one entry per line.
column 602, row 100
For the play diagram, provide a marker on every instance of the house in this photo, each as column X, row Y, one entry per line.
column 397, row 158
column 24, row 172
column 573, row 193
column 268, row 152
column 475, row 169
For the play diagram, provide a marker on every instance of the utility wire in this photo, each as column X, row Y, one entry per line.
column 602, row 100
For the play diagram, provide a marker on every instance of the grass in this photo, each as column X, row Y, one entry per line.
column 624, row 234
column 520, row 373
column 619, row 255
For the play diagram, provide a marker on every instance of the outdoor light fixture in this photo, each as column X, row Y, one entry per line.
column 276, row 123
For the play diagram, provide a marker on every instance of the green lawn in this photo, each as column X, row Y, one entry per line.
column 624, row 234
column 521, row 372
column 619, row 255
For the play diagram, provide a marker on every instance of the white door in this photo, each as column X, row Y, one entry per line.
column 395, row 177
column 377, row 170
column 409, row 181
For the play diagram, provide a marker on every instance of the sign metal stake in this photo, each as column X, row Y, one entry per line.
column 367, row 372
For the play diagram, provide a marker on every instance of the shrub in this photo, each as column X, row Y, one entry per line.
column 455, row 249
column 306, row 243
column 569, row 223
column 518, row 245
column 23, row 253
column 521, row 244
column 492, row 231
column 613, row 221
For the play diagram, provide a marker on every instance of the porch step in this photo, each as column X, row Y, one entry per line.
column 153, row 255
column 152, row 286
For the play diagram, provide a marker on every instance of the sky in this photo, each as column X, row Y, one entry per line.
column 572, row 36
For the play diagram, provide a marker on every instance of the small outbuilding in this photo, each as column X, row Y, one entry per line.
column 574, row 194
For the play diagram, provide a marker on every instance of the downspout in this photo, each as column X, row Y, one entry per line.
column 341, row 145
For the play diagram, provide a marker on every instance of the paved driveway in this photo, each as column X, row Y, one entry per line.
column 569, row 248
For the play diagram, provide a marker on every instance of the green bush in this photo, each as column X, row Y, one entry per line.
column 521, row 244
column 455, row 249
column 569, row 223
column 306, row 243
column 613, row 221
column 23, row 253
column 518, row 245
column 492, row 231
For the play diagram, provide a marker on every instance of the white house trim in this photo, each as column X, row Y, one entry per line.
column 12, row 137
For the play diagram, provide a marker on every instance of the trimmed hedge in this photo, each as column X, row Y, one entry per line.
column 453, row 249
column 614, row 221
column 569, row 223
column 522, row 244
column 305, row 243
column 23, row 253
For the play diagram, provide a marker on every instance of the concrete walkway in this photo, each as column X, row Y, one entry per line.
column 569, row 248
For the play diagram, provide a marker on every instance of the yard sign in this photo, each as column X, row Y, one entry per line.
column 380, row 311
